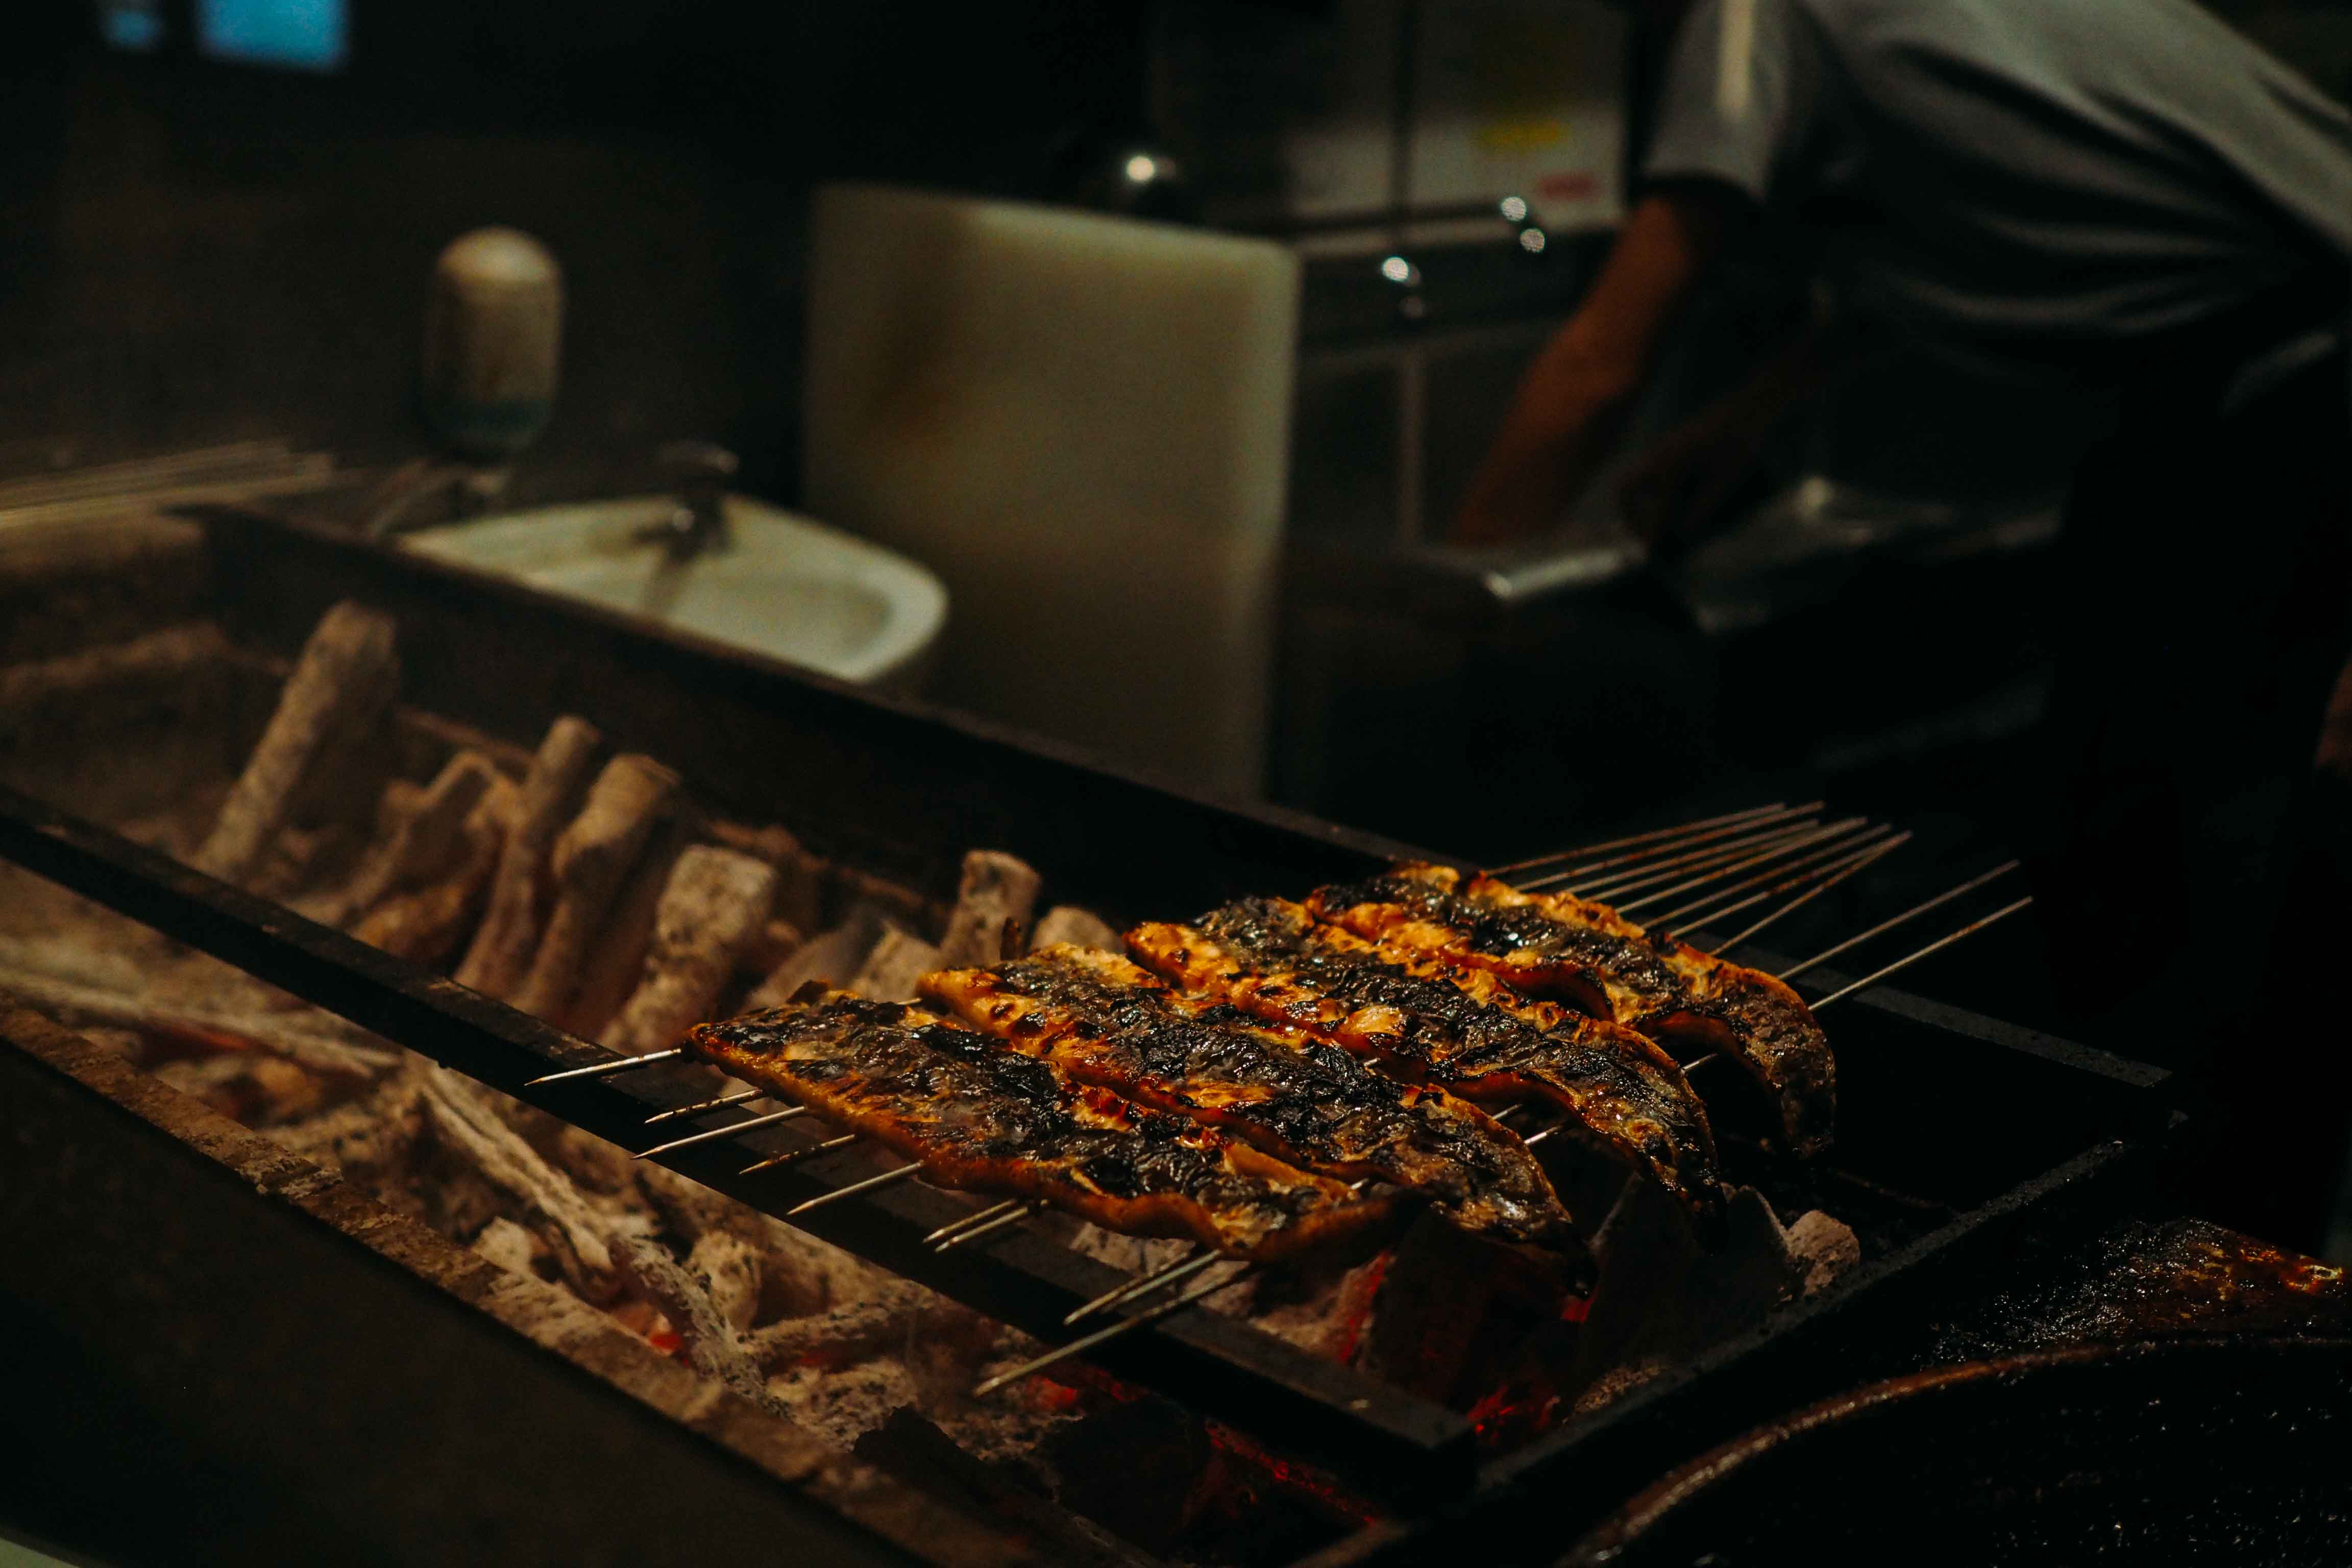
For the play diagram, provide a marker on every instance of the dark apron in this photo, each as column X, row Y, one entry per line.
column 2209, row 567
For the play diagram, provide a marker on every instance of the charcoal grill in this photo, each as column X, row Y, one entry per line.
column 903, row 788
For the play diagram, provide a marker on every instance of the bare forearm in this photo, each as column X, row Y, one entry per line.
column 1572, row 403
column 1543, row 457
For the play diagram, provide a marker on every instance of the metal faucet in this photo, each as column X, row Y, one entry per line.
column 425, row 494
column 698, row 473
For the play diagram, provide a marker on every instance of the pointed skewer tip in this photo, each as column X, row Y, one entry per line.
column 867, row 1185
column 624, row 1064
column 713, row 1134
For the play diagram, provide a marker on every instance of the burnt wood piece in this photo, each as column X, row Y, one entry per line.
column 614, row 967
column 427, row 841
column 346, row 676
column 591, row 861
column 481, row 1415
column 1395, row 1445
column 502, row 947
column 712, row 906
column 891, row 784
column 996, row 901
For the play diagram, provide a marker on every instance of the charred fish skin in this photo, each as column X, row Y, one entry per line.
column 1706, row 1000
column 1554, row 945
column 1270, row 957
column 1773, row 1036
column 979, row 1117
column 1103, row 1020
column 1520, row 946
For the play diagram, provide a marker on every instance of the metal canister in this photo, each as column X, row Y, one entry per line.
column 493, row 341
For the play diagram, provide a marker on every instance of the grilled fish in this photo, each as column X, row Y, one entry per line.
column 1102, row 1021
column 978, row 1117
column 1429, row 1022
column 1556, row 945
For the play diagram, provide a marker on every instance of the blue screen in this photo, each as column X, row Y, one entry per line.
column 306, row 35
column 130, row 24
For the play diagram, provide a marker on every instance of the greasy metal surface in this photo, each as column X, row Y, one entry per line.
column 2147, row 1280
column 2222, row 1450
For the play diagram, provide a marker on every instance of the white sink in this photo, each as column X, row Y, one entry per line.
column 781, row 584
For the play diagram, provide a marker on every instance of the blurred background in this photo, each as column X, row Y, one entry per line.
column 219, row 221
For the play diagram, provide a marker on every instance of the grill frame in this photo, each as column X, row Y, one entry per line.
column 1392, row 1443
column 902, row 788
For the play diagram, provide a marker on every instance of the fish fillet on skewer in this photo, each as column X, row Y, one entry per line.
column 1624, row 1098
column 1556, row 945
column 1104, row 1021
column 978, row 1117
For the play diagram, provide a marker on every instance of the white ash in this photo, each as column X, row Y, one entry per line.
column 1662, row 1298
column 995, row 902
column 831, row 957
column 511, row 1247
column 1133, row 1254
column 1079, row 928
column 1827, row 1247
column 614, row 967
column 711, row 907
column 1324, row 1313
column 897, row 963
column 777, row 941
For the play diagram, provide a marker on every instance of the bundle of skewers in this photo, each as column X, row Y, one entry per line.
column 1278, row 1077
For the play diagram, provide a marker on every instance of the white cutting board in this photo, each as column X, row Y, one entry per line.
column 1082, row 425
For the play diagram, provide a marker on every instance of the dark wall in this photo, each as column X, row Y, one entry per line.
column 193, row 252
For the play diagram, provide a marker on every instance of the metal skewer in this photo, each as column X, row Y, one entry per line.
column 1801, row 900
column 723, row 1101
column 1660, row 870
column 1827, row 877
column 1654, row 834
column 1183, row 1268
column 867, row 1185
column 1101, row 1336
column 1817, row 837
column 1936, row 946
column 1681, row 912
column 1781, row 879
column 622, row 1064
column 1772, row 828
column 1888, row 924
column 976, row 1217
column 1653, row 856
column 714, row 1134
column 1019, row 1214
column 794, row 1156
column 1163, row 1275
